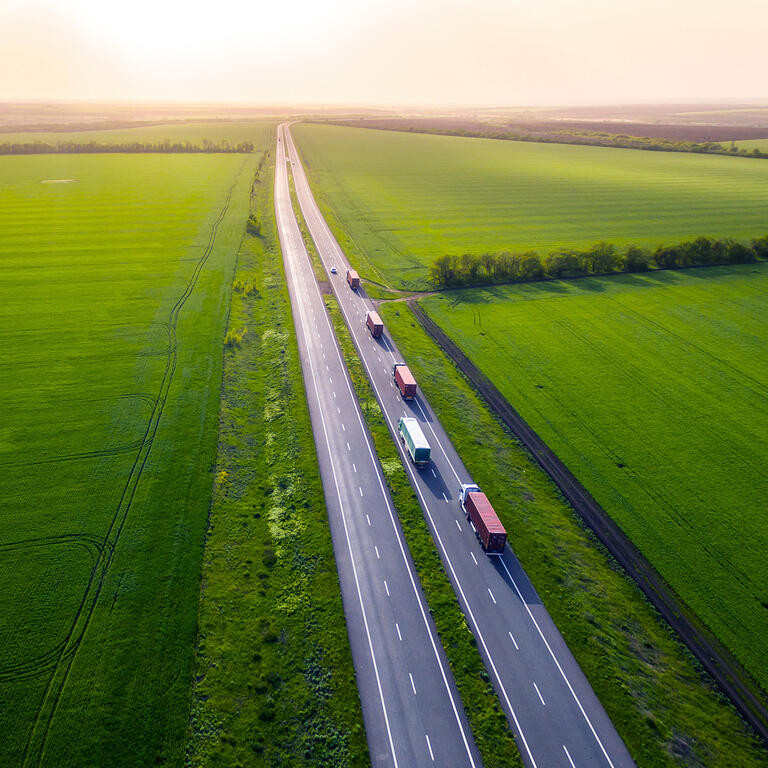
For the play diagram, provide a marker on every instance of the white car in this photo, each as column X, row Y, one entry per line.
column 333, row 270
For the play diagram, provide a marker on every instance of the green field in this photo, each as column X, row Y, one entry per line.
column 113, row 304
column 652, row 389
column 233, row 132
column 403, row 199
column 761, row 144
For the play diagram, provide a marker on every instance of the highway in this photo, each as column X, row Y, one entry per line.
column 411, row 708
column 555, row 715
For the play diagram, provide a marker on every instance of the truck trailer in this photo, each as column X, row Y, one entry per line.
column 353, row 279
column 375, row 326
column 414, row 440
column 483, row 518
column 404, row 380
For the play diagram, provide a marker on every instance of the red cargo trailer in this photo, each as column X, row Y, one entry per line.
column 353, row 279
column 404, row 380
column 487, row 525
column 375, row 326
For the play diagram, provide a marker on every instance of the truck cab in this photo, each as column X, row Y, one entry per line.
column 466, row 488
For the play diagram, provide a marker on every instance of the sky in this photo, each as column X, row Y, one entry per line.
column 429, row 52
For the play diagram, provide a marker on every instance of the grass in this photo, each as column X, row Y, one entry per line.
column 275, row 683
column 662, row 706
column 107, row 444
column 193, row 132
column 397, row 201
column 486, row 718
column 750, row 144
column 652, row 389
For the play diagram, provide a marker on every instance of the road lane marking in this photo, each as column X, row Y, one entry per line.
column 473, row 557
column 343, row 428
column 397, row 627
column 334, row 394
column 378, row 556
column 354, row 468
column 434, row 474
column 445, row 498
column 348, row 448
column 568, row 756
column 338, row 410
column 541, row 698
column 386, row 586
column 368, row 519
column 557, row 664
column 512, row 638
column 413, row 685
column 361, row 491
column 457, row 524
column 430, row 747
column 491, row 594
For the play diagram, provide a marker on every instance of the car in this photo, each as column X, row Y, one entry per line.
column 333, row 270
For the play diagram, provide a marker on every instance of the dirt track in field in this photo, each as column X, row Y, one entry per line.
column 711, row 654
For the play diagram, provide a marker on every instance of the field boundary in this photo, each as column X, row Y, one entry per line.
column 718, row 662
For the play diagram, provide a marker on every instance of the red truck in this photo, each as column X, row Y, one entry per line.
column 404, row 380
column 353, row 279
column 481, row 514
column 375, row 326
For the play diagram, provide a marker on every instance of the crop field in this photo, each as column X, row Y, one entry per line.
column 400, row 200
column 113, row 296
column 761, row 144
column 233, row 132
column 652, row 389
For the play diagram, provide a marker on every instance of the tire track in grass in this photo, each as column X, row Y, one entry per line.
column 46, row 710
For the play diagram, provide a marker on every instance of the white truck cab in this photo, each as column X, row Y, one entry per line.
column 466, row 488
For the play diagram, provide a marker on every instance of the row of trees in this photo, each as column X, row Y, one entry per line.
column 72, row 147
column 504, row 266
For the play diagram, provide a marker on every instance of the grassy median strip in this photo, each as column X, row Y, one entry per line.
column 663, row 706
column 275, row 683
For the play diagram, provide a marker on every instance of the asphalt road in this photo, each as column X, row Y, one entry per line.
column 555, row 715
column 412, row 711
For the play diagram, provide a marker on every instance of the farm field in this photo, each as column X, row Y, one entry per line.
column 652, row 389
column 399, row 200
column 233, row 132
column 761, row 144
column 113, row 303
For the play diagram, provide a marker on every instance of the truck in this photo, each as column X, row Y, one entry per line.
column 375, row 326
column 483, row 519
column 353, row 279
column 404, row 380
column 414, row 440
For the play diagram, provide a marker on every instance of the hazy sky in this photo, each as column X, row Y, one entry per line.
column 496, row 52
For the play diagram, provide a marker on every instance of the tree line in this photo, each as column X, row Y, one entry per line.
column 166, row 146
column 449, row 271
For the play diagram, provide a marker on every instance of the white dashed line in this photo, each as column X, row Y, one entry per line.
column 386, row 586
column 397, row 627
column 512, row 638
column 348, row 448
column 354, row 468
column 445, row 498
column 457, row 524
column 334, row 394
column 494, row 602
column 568, row 756
column 361, row 491
column 426, row 736
column 434, row 474
column 473, row 557
column 368, row 519
column 413, row 685
column 343, row 428
column 378, row 556
column 541, row 698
